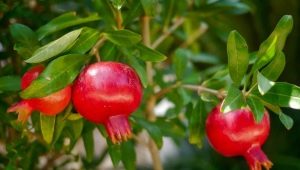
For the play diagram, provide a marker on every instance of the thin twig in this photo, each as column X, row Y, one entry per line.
column 166, row 90
column 95, row 49
column 119, row 19
column 160, row 39
column 201, row 89
column 195, row 35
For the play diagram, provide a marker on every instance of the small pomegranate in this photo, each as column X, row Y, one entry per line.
column 237, row 134
column 107, row 93
column 48, row 105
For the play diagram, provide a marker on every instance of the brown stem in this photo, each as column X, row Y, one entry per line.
column 195, row 35
column 201, row 89
column 160, row 39
column 119, row 19
column 157, row 165
column 95, row 49
column 166, row 90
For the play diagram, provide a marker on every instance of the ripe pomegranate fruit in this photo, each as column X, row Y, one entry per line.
column 107, row 93
column 48, row 105
column 236, row 133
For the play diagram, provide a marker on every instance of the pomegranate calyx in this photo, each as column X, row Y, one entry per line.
column 257, row 159
column 118, row 128
column 23, row 109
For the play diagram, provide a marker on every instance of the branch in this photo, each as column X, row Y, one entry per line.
column 195, row 35
column 166, row 90
column 95, row 49
column 160, row 39
column 201, row 89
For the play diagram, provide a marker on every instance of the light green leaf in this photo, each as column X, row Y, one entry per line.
column 118, row 3
column 140, row 69
column 74, row 116
column 87, row 39
column 10, row 83
column 147, row 54
column 282, row 30
column 264, row 85
column 57, row 75
column 123, row 37
column 284, row 95
column 286, row 120
column 150, row 6
column 60, row 124
column 152, row 129
column 47, row 127
column 54, row 48
column 128, row 155
column 274, row 69
column 256, row 107
column 234, row 100
column 180, row 63
column 238, row 57
column 63, row 21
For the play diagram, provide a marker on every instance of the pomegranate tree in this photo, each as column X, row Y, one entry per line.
column 237, row 134
column 107, row 93
column 48, row 105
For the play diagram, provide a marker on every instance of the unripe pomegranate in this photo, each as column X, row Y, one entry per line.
column 48, row 105
column 237, row 134
column 107, row 93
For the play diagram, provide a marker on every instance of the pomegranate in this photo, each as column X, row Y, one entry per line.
column 107, row 93
column 48, row 105
column 236, row 133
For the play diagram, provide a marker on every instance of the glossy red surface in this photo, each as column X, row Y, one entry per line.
column 106, row 89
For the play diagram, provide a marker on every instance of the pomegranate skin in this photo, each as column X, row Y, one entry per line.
column 49, row 105
column 237, row 134
column 107, row 93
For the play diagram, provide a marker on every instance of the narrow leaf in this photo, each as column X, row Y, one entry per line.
column 114, row 152
column 128, row 155
column 64, row 21
column 58, row 74
column 88, row 141
column 234, row 100
column 123, row 37
column 140, row 69
column 10, row 83
column 105, row 10
column 60, row 124
column 238, row 57
column 118, row 3
column 264, row 85
column 274, row 69
column 180, row 63
column 150, row 7
column 282, row 29
column 147, row 54
column 286, row 120
column 47, row 127
column 256, row 107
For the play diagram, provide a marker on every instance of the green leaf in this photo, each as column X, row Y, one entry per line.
column 26, row 41
column 76, row 127
column 128, row 155
column 114, row 152
column 147, row 54
column 284, row 95
column 105, row 9
column 63, row 21
column 123, row 37
column 282, row 29
column 87, row 39
column 171, row 127
column 256, row 107
column 58, row 74
column 140, row 69
column 88, row 141
column 152, row 129
column 47, row 127
column 238, row 57
column 286, row 120
column 264, row 85
column 74, row 116
column 135, row 10
column 55, row 47
column 109, row 51
column 234, row 100
column 180, row 63
column 274, row 69
column 60, row 124
column 197, row 123
column 10, row 83
column 118, row 3
column 150, row 6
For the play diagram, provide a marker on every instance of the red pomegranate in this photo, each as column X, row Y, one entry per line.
column 237, row 134
column 107, row 93
column 48, row 105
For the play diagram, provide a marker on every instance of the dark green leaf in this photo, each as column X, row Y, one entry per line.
column 47, row 127
column 135, row 10
column 152, row 129
column 76, row 127
column 10, row 83
column 140, row 69
column 256, row 107
column 128, row 155
column 286, row 120
column 105, row 9
column 274, row 69
column 55, row 47
column 264, row 85
column 284, row 95
column 180, row 63
column 118, row 3
column 88, row 141
column 58, row 74
column 108, row 51
column 26, row 40
column 148, row 54
column 64, row 21
column 171, row 127
column 114, row 152
column 150, row 7
column 234, row 100
column 197, row 123
column 238, row 57
column 87, row 39
column 123, row 37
